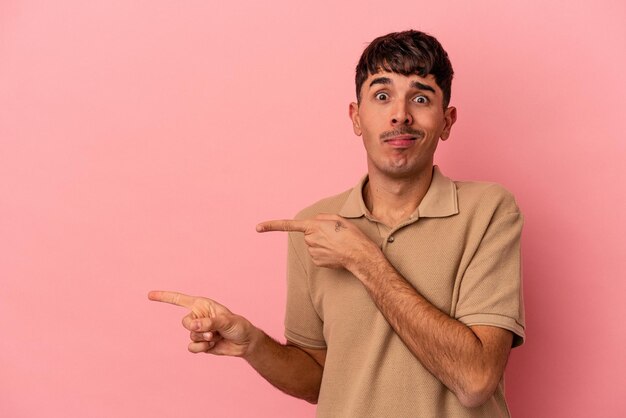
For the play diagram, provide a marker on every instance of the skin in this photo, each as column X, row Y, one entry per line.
column 214, row 329
column 393, row 106
column 401, row 120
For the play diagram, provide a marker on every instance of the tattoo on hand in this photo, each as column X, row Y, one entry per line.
column 339, row 226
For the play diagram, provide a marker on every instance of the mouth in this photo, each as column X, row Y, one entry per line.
column 401, row 141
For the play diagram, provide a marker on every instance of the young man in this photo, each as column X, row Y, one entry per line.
column 404, row 293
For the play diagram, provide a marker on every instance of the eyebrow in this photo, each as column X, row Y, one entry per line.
column 381, row 80
column 414, row 84
column 421, row 86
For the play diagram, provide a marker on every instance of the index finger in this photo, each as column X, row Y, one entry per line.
column 286, row 225
column 175, row 298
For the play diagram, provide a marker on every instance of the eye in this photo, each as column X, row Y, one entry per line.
column 421, row 99
column 382, row 96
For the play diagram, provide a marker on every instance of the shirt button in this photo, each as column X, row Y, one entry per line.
column 390, row 239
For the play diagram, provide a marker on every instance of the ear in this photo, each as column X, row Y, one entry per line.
column 449, row 118
column 353, row 111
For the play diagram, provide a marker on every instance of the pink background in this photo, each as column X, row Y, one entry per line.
column 141, row 142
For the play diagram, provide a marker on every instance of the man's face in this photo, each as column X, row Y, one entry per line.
column 401, row 120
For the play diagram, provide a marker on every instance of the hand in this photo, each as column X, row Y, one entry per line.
column 332, row 241
column 213, row 328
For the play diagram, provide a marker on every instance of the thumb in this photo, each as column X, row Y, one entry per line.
column 329, row 217
column 230, row 326
column 221, row 323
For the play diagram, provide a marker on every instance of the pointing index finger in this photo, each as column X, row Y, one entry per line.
column 286, row 225
column 175, row 298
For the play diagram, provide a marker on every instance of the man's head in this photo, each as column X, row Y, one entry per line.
column 409, row 52
column 403, row 89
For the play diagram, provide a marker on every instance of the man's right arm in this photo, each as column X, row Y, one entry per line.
column 294, row 370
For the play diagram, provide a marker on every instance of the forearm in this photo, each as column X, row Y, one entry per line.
column 449, row 349
column 287, row 367
column 216, row 330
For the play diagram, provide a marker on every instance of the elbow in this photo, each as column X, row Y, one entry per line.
column 312, row 398
column 474, row 400
column 310, row 395
column 478, row 391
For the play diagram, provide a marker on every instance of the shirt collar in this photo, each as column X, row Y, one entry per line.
column 440, row 199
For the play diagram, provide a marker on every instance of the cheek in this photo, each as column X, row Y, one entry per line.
column 433, row 125
column 373, row 128
column 370, row 138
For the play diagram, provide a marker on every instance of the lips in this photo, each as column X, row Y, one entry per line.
column 401, row 141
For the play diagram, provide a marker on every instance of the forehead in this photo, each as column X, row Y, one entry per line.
column 397, row 80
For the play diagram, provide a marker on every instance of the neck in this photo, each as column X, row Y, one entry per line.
column 393, row 200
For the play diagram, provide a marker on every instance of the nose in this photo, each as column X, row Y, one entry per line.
column 401, row 115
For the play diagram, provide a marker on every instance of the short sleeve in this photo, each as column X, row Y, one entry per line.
column 491, row 288
column 303, row 325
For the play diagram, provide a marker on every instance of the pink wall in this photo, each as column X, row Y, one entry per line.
column 141, row 142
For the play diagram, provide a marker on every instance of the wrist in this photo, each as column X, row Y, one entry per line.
column 365, row 259
column 255, row 341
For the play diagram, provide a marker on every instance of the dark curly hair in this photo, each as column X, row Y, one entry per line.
column 409, row 52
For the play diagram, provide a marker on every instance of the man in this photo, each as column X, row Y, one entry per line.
column 404, row 293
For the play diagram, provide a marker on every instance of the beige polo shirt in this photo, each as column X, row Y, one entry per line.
column 459, row 249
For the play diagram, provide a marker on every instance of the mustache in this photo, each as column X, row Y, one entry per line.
column 407, row 130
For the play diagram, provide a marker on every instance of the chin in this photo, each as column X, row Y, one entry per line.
column 400, row 171
column 399, row 168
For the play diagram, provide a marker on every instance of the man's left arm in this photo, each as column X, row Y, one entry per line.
column 470, row 361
